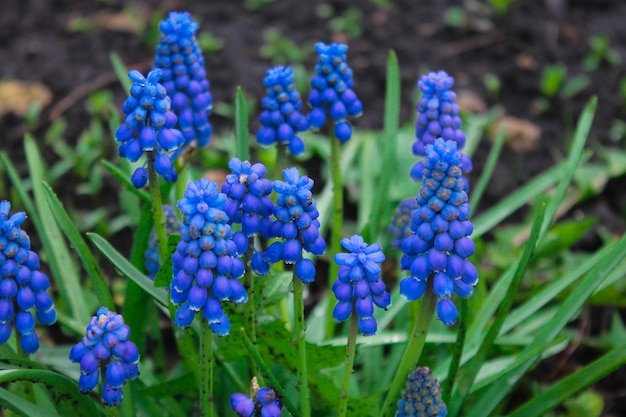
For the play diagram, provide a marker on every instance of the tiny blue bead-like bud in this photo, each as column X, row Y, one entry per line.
column 343, row 131
column 305, row 270
column 367, row 326
column 139, row 177
column 29, row 343
column 87, row 382
column 111, row 395
column 447, row 312
column 221, row 327
column 115, row 373
column 242, row 405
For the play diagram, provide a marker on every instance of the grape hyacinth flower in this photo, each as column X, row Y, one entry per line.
column 22, row 285
column 440, row 244
column 153, row 259
column 263, row 403
column 359, row 285
column 107, row 349
column 248, row 203
column 184, row 76
column 297, row 224
column 206, row 267
column 331, row 90
column 149, row 127
column 422, row 396
column 281, row 119
column 400, row 226
column 438, row 117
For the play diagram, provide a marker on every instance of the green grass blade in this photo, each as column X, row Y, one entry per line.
column 390, row 133
column 124, row 180
column 121, row 71
column 90, row 265
column 60, row 386
column 242, row 133
column 573, row 159
column 21, row 406
column 481, row 185
column 127, row 269
column 61, row 263
column 16, row 180
column 492, row 397
column 468, row 373
column 554, row 395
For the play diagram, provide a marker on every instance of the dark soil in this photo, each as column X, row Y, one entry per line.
column 36, row 44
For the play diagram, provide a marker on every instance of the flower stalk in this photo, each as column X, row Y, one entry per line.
column 298, row 334
column 157, row 206
column 348, row 364
column 206, row 361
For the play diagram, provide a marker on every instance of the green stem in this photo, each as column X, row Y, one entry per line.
column 335, row 237
column 112, row 411
column 249, row 310
column 206, row 371
column 348, row 364
column 298, row 334
column 412, row 351
column 157, row 206
column 458, row 351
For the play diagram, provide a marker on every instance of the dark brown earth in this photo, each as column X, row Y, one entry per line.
column 37, row 44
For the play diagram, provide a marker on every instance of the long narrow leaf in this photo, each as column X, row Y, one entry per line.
column 127, row 268
column 242, row 134
column 16, row 180
column 100, row 286
column 490, row 165
column 554, row 395
column 125, row 181
column 61, row 263
column 121, row 71
column 21, row 406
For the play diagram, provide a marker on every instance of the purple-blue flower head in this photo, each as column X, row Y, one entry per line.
column 152, row 256
column 281, row 119
column 149, row 126
column 422, row 396
column 248, row 203
column 265, row 402
column 331, row 91
column 180, row 58
column 437, row 117
column 400, row 226
column 296, row 225
column 22, row 285
column 359, row 285
column 206, row 263
column 106, row 349
column 440, row 244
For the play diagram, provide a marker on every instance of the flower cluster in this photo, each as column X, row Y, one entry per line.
column 281, row 119
column 205, row 265
column 263, row 403
column 422, row 396
column 359, row 284
column 106, row 348
column 400, row 226
column 149, row 126
column 439, row 248
column 152, row 256
column 438, row 117
column 21, row 283
column 296, row 224
column 331, row 90
column 247, row 190
column 184, row 76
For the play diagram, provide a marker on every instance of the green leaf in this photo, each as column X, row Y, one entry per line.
column 127, row 269
column 479, row 189
column 241, row 127
column 183, row 385
column 273, row 288
column 554, row 395
column 564, row 235
column 61, row 263
column 100, row 286
column 59, row 386
column 121, row 71
column 390, row 132
column 21, row 406
column 124, row 180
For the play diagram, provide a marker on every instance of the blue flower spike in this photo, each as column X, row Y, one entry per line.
column 22, row 285
column 179, row 56
column 296, row 225
column 248, row 203
column 106, row 351
column 400, row 226
column 422, row 396
column 438, row 117
column 281, row 119
column 148, row 127
column 331, row 91
column 263, row 402
column 152, row 256
column 206, row 264
column 359, row 286
column 440, row 244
